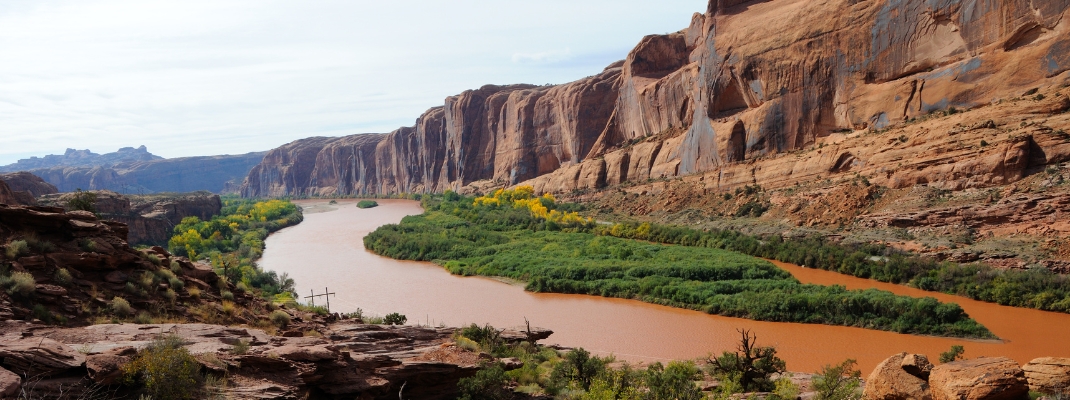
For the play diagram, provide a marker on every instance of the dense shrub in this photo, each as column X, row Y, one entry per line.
column 473, row 238
column 16, row 249
column 22, row 284
column 838, row 382
column 367, row 204
column 63, row 277
column 487, row 384
column 120, row 306
column 280, row 318
column 395, row 319
column 84, row 201
column 165, row 368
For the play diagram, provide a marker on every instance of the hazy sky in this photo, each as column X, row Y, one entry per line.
column 212, row 77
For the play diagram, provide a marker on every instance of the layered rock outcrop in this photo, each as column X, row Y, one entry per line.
column 348, row 360
column 732, row 97
column 982, row 378
column 1048, row 374
column 150, row 219
column 900, row 377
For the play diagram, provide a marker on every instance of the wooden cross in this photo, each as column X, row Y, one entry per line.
column 312, row 298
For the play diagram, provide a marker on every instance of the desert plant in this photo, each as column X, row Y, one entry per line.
column 22, row 284
column 675, row 381
column 395, row 319
column 152, row 258
column 143, row 318
column 146, row 280
column 194, row 293
column 16, row 248
column 36, row 243
column 953, row 354
column 170, row 295
column 176, row 283
column 367, row 204
column 176, row 268
column 487, row 384
column 84, row 201
column 120, row 306
column 578, row 366
column 785, row 390
column 838, row 382
column 241, row 347
column 280, row 318
column 227, row 295
column 167, row 370
column 63, row 277
column 751, row 364
column 88, row 245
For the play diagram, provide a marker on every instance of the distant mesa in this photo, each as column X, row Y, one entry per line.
column 133, row 170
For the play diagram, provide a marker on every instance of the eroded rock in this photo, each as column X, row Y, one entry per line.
column 899, row 377
column 985, row 378
column 1048, row 374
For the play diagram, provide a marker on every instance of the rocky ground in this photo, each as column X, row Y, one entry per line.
column 912, row 376
column 341, row 359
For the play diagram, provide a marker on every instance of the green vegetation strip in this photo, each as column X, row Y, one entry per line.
column 367, row 204
column 233, row 240
column 505, row 238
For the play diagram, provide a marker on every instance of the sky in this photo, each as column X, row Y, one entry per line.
column 192, row 77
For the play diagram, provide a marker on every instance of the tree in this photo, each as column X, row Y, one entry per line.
column 954, row 354
column 395, row 319
column 84, row 201
column 751, row 364
column 838, row 382
column 578, row 366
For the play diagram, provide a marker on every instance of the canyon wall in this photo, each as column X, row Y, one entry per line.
column 151, row 219
column 734, row 97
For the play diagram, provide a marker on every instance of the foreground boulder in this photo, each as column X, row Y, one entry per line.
column 985, row 378
column 900, row 377
column 1048, row 374
column 9, row 383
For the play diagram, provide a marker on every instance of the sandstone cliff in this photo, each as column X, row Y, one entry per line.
column 25, row 187
column 150, row 219
column 82, row 158
column 188, row 174
column 733, row 90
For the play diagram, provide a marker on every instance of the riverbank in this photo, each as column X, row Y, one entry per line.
column 629, row 329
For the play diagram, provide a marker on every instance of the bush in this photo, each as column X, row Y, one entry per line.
column 88, row 245
column 838, row 382
column 280, row 318
column 226, row 295
column 143, row 318
column 176, row 268
column 63, row 277
column 487, row 384
column 194, row 293
column 367, row 204
column 176, row 283
column 395, row 319
column 22, row 284
column 16, row 249
column 39, row 244
column 241, row 347
column 170, row 295
column 751, row 365
column 83, row 201
column 120, row 306
column 676, row 381
column 165, row 368
column 954, row 354
column 578, row 367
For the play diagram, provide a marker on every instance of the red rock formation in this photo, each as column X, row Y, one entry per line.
column 732, row 95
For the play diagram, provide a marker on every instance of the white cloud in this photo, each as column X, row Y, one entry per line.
column 203, row 77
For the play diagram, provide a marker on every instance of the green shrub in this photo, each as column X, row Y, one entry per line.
column 120, row 306
column 146, row 280
column 88, row 245
column 41, row 312
column 152, row 258
column 194, row 293
column 280, row 318
column 367, row 204
column 751, row 365
column 838, row 382
column 241, row 347
column 22, row 284
column 578, row 367
column 176, row 268
column 487, row 384
column 954, row 354
column 176, row 283
column 395, row 319
column 170, row 295
column 84, row 201
column 676, row 381
column 165, row 368
column 227, row 295
column 143, row 318
column 63, row 277
column 16, row 249
column 41, row 245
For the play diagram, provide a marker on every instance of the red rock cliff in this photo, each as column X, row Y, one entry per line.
column 744, row 83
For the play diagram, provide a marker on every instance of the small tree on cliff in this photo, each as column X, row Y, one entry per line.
column 751, row 365
column 84, row 201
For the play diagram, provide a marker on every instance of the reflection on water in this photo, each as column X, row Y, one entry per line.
column 326, row 251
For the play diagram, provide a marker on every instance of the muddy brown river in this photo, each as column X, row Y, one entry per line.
column 327, row 251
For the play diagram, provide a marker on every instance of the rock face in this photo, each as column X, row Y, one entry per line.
column 29, row 183
column 150, row 219
column 981, row 378
column 900, row 377
column 731, row 97
column 189, row 174
column 1048, row 374
column 349, row 360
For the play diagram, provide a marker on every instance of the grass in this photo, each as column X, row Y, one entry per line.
column 63, row 277
column 16, row 248
column 469, row 238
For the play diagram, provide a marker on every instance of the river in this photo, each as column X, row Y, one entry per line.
column 326, row 251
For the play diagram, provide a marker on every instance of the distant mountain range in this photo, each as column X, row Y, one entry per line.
column 137, row 171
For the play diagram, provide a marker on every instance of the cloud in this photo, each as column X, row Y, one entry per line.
column 204, row 77
column 543, row 57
